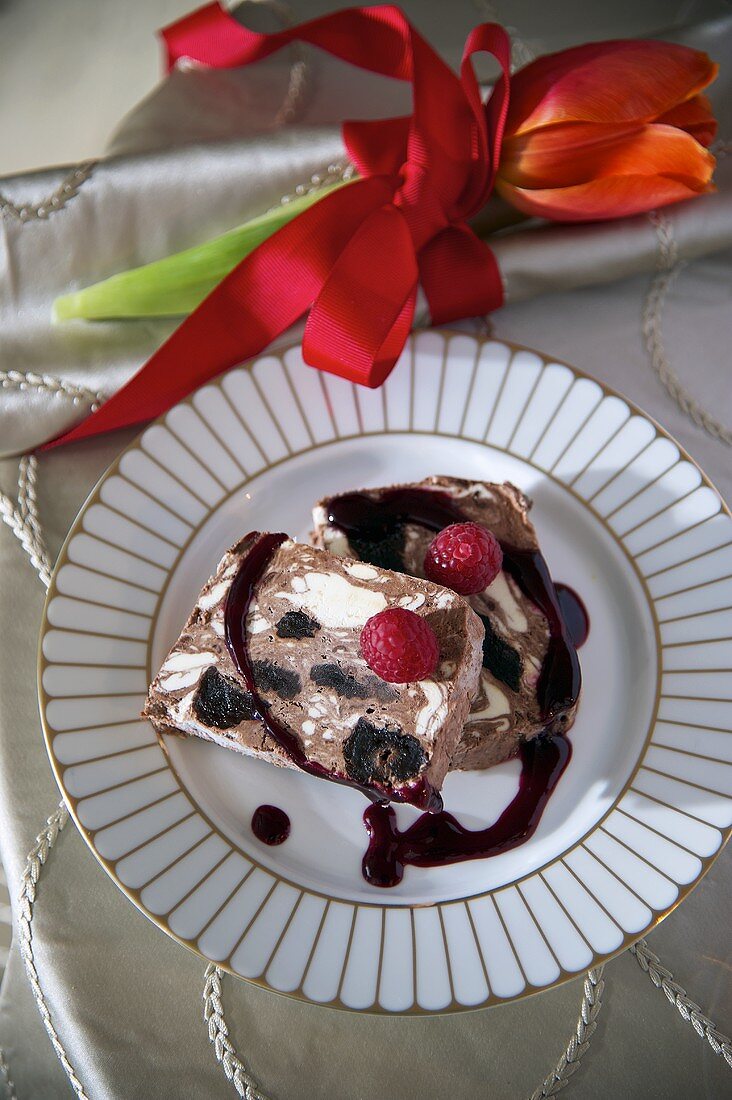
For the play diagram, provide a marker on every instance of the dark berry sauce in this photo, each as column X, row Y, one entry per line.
column 419, row 793
column 575, row 614
column 270, row 825
column 435, row 840
column 438, row 839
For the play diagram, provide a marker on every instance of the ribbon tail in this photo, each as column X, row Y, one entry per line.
column 255, row 303
column 209, row 35
column 374, row 38
column 359, row 324
column 459, row 275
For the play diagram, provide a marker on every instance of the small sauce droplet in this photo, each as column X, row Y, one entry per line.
column 270, row 825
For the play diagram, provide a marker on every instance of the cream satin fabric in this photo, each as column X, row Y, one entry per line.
column 126, row 1000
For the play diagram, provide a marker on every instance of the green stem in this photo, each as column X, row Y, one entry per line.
column 174, row 286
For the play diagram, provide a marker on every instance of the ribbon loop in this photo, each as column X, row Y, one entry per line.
column 355, row 258
column 459, row 276
column 420, row 205
column 363, row 299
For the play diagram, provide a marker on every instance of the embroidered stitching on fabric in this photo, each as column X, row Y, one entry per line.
column 31, row 874
column 339, row 170
column 218, row 1033
column 663, row 979
column 66, row 190
column 23, row 521
column 668, row 267
column 579, row 1041
column 28, row 380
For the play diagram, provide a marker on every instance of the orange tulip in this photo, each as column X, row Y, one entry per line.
column 608, row 129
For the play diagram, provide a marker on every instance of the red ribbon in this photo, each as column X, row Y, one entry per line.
column 355, row 258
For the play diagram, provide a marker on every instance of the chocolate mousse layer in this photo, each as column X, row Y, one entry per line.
column 301, row 633
column 507, row 709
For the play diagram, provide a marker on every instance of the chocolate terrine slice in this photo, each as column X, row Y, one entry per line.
column 370, row 525
column 310, row 699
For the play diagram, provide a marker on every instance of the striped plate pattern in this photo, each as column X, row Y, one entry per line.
column 105, row 628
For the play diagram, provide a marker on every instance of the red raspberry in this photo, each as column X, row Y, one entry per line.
column 399, row 646
column 465, row 557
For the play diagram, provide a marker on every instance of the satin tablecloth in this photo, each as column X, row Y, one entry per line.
column 126, row 1001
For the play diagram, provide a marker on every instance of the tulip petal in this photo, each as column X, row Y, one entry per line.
column 622, row 81
column 575, row 153
column 603, row 199
column 695, row 116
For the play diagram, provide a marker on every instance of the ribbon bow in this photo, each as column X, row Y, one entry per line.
column 356, row 257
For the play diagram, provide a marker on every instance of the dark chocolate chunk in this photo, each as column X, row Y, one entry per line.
column 500, row 658
column 381, row 546
column 343, row 683
column 296, row 624
column 386, row 756
column 348, row 686
column 269, row 677
column 379, row 689
column 220, row 703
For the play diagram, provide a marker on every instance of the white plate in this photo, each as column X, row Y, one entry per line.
column 623, row 516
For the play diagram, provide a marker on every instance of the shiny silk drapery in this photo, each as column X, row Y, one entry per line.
column 204, row 154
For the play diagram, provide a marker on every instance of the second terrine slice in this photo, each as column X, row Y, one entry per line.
column 526, row 645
